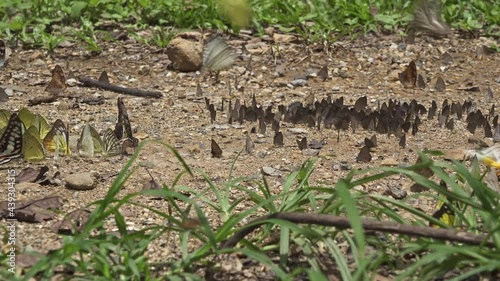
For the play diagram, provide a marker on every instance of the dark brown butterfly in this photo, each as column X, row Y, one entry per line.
column 215, row 149
column 487, row 130
column 440, row 85
column 496, row 134
column 360, row 104
column 364, row 155
column 302, row 143
column 409, row 77
column 402, row 140
column 450, row 125
column 2, row 53
column 58, row 83
column 122, row 127
column 420, row 82
column 3, row 95
column 199, row 92
column 323, row 73
column 104, row 77
column 213, row 113
column 278, row 139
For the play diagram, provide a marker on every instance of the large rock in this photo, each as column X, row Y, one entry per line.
column 185, row 55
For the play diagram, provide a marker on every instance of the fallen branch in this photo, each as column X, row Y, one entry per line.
column 122, row 90
column 372, row 225
column 42, row 99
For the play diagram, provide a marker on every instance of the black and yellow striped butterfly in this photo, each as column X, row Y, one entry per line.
column 57, row 140
column 11, row 143
column 444, row 211
column 111, row 146
column 122, row 127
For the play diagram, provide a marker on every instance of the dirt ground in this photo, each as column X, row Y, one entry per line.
column 365, row 66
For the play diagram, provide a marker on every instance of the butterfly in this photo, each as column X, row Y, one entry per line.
column 409, row 77
column 364, row 155
column 278, row 139
column 215, row 149
column 104, row 77
column 5, row 53
column 32, row 146
column 122, row 127
column 42, row 125
column 58, row 83
column 302, row 143
column 11, row 143
column 89, row 142
column 444, row 211
column 110, row 144
column 26, row 116
column 218, row 55
column 249, row 145
column 4, row 118
column 57, row 139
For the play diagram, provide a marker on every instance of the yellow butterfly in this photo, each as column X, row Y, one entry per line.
column 32, row 145
column 41, row 124
column 26, row 116
column 57, row 139
column 4, row 118
column 110, row 144
column 444, row 211
column 89, row 142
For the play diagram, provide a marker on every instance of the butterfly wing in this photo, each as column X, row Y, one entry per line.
column 11, row 143
column 32, row 146
column 110, row 144
column 444, row 213
column 218, row 55
column 89, row 142
column 57, row 139
column 42, row 125
column 409, row 77
column 4, row 118
column 26, row 116
column 123, row 128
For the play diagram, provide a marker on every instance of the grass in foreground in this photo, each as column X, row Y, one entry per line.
column 288, row 249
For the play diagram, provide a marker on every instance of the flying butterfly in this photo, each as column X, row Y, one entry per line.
column 57, row 139
column 122, row 127
column 89, row 142
column 217, row 55
column 110, row 144
column 32, row 145
column 11, row 143
column 409, row 77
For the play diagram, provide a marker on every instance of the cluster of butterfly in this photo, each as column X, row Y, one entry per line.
column 28, row 135
column 392, row 117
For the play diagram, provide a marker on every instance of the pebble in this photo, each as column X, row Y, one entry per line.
column 80, row 181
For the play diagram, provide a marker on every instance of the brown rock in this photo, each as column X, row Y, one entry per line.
column 283, row 38
column 185, row 55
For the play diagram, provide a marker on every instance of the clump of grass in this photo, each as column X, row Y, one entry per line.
column 348, row 251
